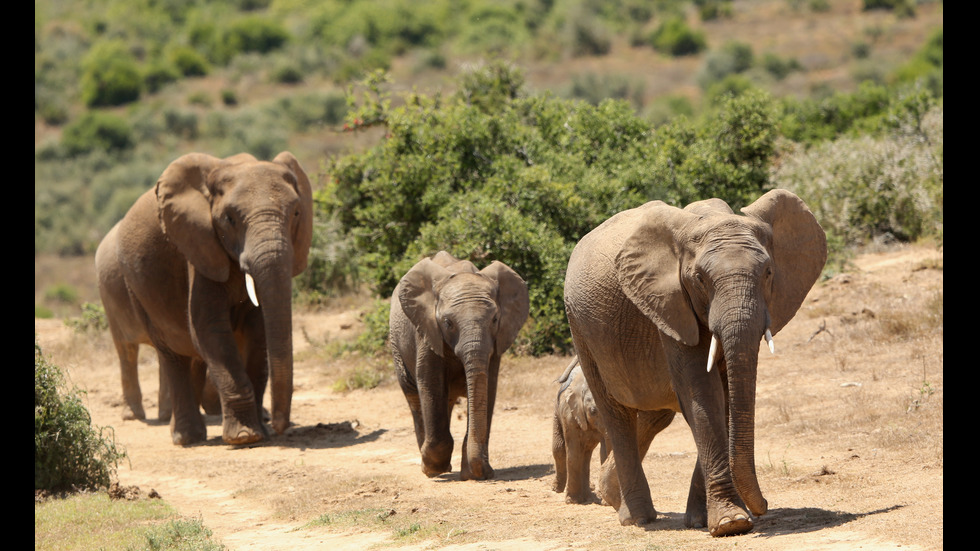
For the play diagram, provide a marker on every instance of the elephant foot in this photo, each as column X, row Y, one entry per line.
column 133, row 413
column 697, row 519
column 638, row 518
column 435, row 470
column 190, row 431
column 696, row 515
column 578, row 499
column 436, row 456
column 189, row 437
column 238, row 434
column 730, row 521
column 476, row 470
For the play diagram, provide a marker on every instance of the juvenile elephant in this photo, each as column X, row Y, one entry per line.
column 449, row 325
column 577, row 431
column 667, row 308
column 185, row 271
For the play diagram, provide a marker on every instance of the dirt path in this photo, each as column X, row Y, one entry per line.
column 849, row 442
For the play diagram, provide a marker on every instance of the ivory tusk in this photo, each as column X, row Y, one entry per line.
column 772, row 347
column 711, row 352
column 250, row 287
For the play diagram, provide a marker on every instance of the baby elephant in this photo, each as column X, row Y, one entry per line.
column 577, row 431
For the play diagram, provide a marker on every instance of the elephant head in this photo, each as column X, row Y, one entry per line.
column 704, row 270
column 242, row 224
column 469, row 317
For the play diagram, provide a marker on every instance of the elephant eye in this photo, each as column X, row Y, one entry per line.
column 448, row 322
column 229, row 220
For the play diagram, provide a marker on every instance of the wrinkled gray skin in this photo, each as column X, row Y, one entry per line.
column 128, row 332
column 645, row 292
column 172, row 274
column 450, row 324
column 577, row 431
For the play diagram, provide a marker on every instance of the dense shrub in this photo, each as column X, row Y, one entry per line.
column 96, row 131
column 676, row 38
column 158, row 74
column 255, row 34
column 862, row 188
column 110, row 75
column 189, row 62
column 493, row 174
column 814, row 120
column 69, row 453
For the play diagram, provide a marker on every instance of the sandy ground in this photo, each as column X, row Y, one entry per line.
column 849, row 441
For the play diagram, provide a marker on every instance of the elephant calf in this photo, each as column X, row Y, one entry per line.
column 577, row 431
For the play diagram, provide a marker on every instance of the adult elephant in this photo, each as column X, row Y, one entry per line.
column 449, row 325
column 187, row 269
column 667, row 308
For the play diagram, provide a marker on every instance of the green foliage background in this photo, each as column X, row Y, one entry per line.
column 487, row 168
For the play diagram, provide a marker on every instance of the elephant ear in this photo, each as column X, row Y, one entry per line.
column 648, row 267
column 303, row 234
column 184, row 204
column 512, row 301
column 799, row 251
column 418, row 297
column 576, row 402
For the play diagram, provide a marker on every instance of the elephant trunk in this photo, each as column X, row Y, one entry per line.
column 739, row 330
column 476, row 359
column 271, row 268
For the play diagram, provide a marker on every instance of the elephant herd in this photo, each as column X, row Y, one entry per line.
column 666, row 307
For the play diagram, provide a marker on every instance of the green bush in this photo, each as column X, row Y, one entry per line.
column 902, row 8
column 69, row 453
column 92, row 319
column 862, row 188
column 189, row 62
column 676, row 38
column 110, row 75
column 158, row 74
column 255, row 34
column 96, row 131
column 492, row 173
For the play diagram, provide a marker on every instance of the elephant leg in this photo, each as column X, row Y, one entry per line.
column 635, row 506
column 210, row 400
column 165, row 399
column 128, row 357
column 186, row 424
column 580, row 448
column 215, row 340
column 696, row 515
column 435, row 405
column 649, row 424
column 558, row 450
column 702, row 399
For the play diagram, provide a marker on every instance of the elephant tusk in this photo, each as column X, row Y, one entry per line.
column 772, row 347
column 250, row 287
column 711, row 352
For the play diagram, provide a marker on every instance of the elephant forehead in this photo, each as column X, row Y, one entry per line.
column 730, row 244
column 261, row 175
column 467, row 287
